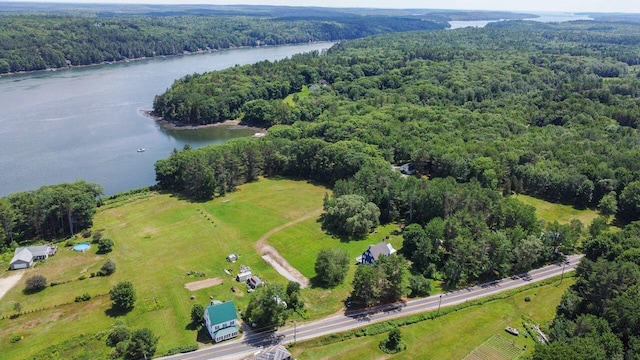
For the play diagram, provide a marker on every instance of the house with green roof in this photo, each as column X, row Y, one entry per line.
column 221, row 320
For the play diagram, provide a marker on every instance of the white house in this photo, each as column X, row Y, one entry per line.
column 375, row 251
column 221, row 320
column 24, row 257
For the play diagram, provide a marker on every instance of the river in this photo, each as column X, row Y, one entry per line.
column 85, row 122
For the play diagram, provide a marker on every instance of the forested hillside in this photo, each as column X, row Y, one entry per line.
column 478, row 111
column 551, row 110
column 53, row 40
column 483, row 114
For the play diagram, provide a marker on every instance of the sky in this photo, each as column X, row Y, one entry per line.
column 627, row 6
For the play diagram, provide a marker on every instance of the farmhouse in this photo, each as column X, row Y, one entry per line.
column 24, row 257
column 221, row 320
column 375, row 251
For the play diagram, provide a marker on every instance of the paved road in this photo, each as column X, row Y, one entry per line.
column 252, row 343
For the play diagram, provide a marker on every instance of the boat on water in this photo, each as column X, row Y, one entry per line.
column 142, row 150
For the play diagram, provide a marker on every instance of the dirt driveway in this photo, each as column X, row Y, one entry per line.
column 8, row 282
column 197, row 285
column 273, row 257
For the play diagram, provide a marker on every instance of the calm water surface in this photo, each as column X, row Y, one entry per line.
column 85, row 123
column 542, row 17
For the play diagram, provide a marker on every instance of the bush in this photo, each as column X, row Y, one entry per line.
column 123, row 295
column 181, row 350
column 527, row 299
column 143, row 343
column 16, row 338
column 118, row 334
column 69, row 243
column 82, row 277
column 35, row 284
column 83, row 297
column 105, row 245
column 108, row 268
column 96, row 237
column 197, row 314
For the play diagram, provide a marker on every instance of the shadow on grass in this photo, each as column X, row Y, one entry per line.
column 193, row 326
column 116, row 312
column 203, row 336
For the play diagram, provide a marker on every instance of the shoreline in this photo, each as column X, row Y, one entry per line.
column 198, row 52
column 168, row 125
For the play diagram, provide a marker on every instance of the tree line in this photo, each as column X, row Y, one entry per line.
column 50, row 212
column 502, row 105
column 44, row 41
column 597, row 317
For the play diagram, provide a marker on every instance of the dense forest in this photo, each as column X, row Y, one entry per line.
column 51, row 212
column 550, row 110
column 43, row 41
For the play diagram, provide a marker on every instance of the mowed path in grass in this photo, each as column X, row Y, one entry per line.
column 158, row 240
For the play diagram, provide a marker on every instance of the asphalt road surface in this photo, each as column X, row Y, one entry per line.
column 251, row 344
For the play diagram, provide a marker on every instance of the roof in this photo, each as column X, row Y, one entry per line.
column 277, row 353
column 42, row 250
column 381, row 248
column 226, row 331
column 23, row 255
column 220, row 313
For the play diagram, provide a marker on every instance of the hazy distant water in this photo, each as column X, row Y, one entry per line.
column 543, row 17
column 84, row 123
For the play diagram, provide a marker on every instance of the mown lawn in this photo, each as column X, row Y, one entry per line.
column 300, row 245
column 455, row 335
column 301, row 95
column 158, row 240
column 563, row 214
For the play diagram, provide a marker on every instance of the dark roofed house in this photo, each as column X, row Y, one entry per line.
column 375, row 251
column 221, row 320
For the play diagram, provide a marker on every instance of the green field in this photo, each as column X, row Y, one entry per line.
column 301, row 95
column 563, row 214
column 159, row 239
column 455, row 335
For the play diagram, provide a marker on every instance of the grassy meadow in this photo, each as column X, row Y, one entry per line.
column 563, row 214
column 454, row 335
column 158, row 240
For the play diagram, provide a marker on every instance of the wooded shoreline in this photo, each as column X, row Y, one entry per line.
column 170, row 125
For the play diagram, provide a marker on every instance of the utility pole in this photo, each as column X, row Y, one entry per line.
column 439, row 302
column 294, row 331
column 562, row 275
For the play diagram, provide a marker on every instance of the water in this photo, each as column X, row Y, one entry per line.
column 85, row 123
column 542, row 17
